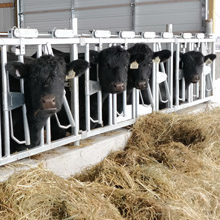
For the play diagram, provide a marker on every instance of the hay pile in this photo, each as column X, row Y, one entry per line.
column 39, row 194
column 170, row 169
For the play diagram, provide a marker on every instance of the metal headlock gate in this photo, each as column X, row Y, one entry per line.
column 21, row 39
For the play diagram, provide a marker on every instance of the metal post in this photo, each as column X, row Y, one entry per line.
column 154, row 82
column 87, row 93
column 24, row 110
column 177, row 74
column 213, row 67
column 110, row 109
column 99, row 93
column 5, row 102
column 170, row 77
column 114, row 108
column 190, row 88
column 133, row 14
column 74, row 89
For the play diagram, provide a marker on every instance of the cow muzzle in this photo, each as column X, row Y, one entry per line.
column 195, row 78
column 141, row 84
column 48, row 103
column 118, row 87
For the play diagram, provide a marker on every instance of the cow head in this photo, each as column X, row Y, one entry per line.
column 113, row 67
column 141, row 64
column 192, row 63
column 44, row 87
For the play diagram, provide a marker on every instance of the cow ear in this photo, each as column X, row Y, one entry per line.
column 76, row 68
column 17, row 69
column 164, row 55
column 209, row 57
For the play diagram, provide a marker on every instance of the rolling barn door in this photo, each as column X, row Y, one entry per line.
column 138, row 15
column 45, row 15
column 6, row 15
column 153, row 15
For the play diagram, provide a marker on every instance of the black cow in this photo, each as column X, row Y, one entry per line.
column 113, row 65
column 191, row 64
column 140, row 69
column 43, row 88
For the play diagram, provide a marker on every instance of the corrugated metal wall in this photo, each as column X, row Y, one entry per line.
column 148, row 15
column 103, row 14
column 46, row 14
column 6, row 16
column 186, row 16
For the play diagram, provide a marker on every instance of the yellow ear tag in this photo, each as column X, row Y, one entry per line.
column 134, row 65
column 71, row 74
column 156, row 60
column 208, row 61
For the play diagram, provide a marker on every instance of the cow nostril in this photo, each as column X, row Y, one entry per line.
column 48, row 102
column 141, row 84
column 53, row 100
column 118, row 86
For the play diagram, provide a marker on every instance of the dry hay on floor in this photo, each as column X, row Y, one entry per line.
column 172, row 161
column 169, row 170
column 39, row 194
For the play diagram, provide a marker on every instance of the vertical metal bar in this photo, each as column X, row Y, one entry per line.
column 124, row 95
column 48, row 130
column 74, row 89
column 87, row 93
column 170, row 77
column 154, row 81
column 125, row 92
column 39, row 50
column 42, row 137
column 24, row 110
column 177, row 74
column 134, row 103
column 133, row 15
column 114, row 108
column 213, row 66
column 5, row 101
column 156, row 88
column 197, row 84
column 206, row 9
column 190, row 88
column 110, row 109
column 183, row 91
column 137, row 95
column 99, row 94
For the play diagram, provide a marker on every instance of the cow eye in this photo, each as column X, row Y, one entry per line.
column 150, row 64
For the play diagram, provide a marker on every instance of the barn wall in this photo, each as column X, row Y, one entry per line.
column 46, row 14
column 140, row 15
column 6, row 16
column 186, row 16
